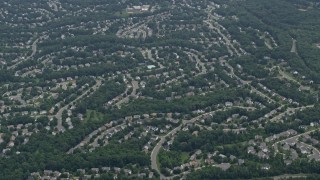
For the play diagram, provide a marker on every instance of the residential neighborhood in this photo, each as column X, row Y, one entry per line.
column 173, row 89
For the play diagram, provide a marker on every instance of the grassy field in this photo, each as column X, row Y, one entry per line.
column 92, row 116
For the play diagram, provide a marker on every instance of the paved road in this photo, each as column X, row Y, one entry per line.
column 315, row 150
column 253, row 89
column 34, row 50
column 149, row 56
column 217, row 27
column 289, row 111
column 87, row 139
column 285, row 75
column 138, row 29
column 135, row 86
column 156, row 149
column 289, row 176
column 119, row 99
column 200, row 65
column 225, row 38
column 59, row 113
column 293, row 137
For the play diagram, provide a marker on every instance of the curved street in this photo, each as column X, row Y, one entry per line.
column 34, row 50
column 156, row 149
column 60, row 127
